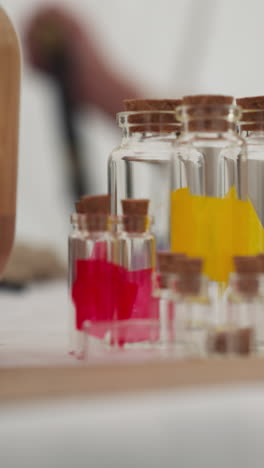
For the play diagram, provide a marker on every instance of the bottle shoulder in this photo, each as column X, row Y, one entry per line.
column 154, row 149
column 207, row 139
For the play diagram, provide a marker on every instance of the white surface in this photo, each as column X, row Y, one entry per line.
column 206, row 429
column 34, row 326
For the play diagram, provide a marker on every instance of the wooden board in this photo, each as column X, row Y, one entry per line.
column 96, row 380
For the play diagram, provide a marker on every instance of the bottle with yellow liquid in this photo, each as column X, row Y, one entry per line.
column 211, row 215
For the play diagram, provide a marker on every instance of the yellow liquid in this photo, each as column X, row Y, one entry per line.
column 215, row 229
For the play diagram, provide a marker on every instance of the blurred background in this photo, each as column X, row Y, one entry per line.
column 82, row 58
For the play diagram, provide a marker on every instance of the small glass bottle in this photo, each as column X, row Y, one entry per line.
column 141, row 166
column 209, row 185
column 136, row 259
column 236, row 334
column 251, row 129
column 93, row 290
column 192, row 309
column 168, row 264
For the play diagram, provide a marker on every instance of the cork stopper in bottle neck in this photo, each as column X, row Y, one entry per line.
column 97, row 210
column 168, row 263
column 152, row 115
column 253, row 113
column 190, row 275
column 247, row 269
column 207, row 113
column 135, row 215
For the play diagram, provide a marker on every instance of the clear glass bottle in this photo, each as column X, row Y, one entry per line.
column 251, row 129
column 95, row 287
column 168, row 265
column 192, row 312
column 209, row 185
column 140, row 166
column 238, row 334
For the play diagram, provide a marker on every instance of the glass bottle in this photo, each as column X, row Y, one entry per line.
column 136, row 259
column 95, row 288
column 243, row 307
column 236, row 333
column 192, row 309
column 209, row 208
column 168, row 265
column 251, row 129
column 140, row 166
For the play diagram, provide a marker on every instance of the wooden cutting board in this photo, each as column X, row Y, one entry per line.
column 102, row 379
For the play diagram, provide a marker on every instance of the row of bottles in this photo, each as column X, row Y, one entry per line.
column 201, row 171
column 121, row 301
column 111, row 261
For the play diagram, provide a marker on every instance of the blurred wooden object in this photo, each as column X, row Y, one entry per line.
column 100, row 379
column 9, row 115
column 29, row 263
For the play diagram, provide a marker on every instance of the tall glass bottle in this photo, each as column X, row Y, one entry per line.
column 140, row 166
column 209, row 208
column 252, row 130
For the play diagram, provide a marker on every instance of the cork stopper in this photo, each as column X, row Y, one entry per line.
column 168, row 261
column 247, row 264
column 190, row 270
column 247, row 268
column 134, row 105
column 254, row 102
column 252, row 120
column 153, row 115
column 261, row 263
column 95, row 204
column 133, row 206
column 191, row 266
column 135, row 214
column 79, row 207
column 208, row 113
column 97, row 210
column 207, row 100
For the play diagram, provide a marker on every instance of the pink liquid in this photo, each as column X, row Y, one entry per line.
column 105, row 292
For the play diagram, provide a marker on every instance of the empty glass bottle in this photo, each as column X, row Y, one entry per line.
column 140, row 166
column 236, row 332
column 252, row 130
column 168, row 266
column 192, row 311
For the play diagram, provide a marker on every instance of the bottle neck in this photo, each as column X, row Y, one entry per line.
column 142, row 136
column 209, row 127
column 147, row 125
column 209, row 119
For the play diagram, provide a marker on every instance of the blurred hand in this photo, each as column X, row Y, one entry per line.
column 91, row 79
